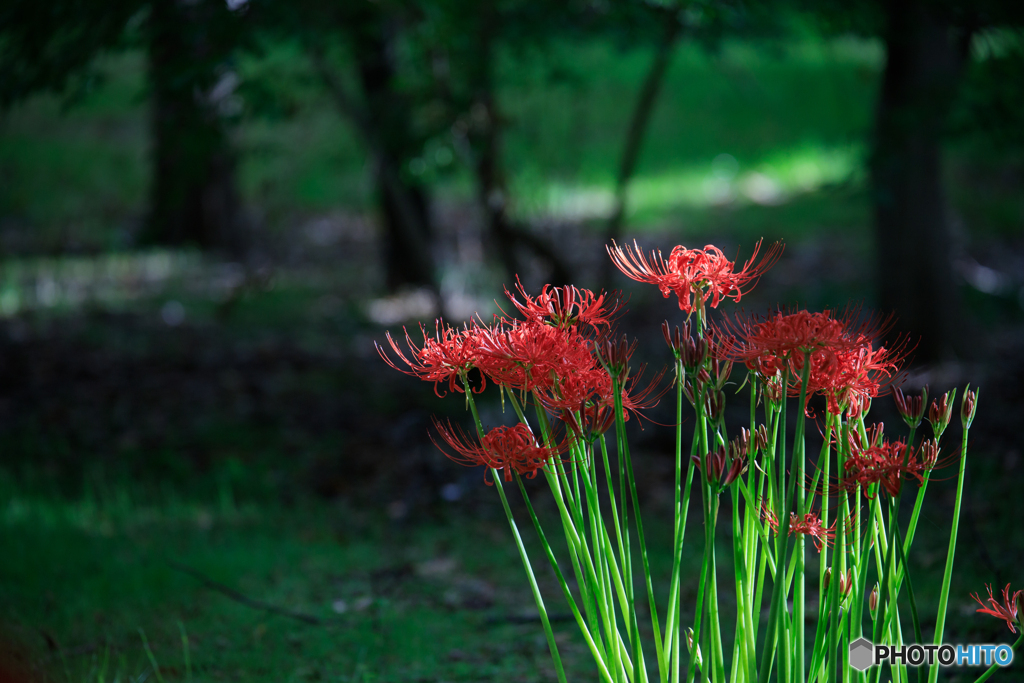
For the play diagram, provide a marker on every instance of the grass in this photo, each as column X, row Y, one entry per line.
column 433, row 599
column 395, row 602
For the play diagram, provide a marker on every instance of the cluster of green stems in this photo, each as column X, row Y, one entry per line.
column 781, row 632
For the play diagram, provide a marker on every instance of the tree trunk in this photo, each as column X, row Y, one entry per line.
column 916, row 278
column 403, row 204
column 484, row 133
column 193, row 196
column 642, row 111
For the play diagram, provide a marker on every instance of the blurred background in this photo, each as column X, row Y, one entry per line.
column 210, row 211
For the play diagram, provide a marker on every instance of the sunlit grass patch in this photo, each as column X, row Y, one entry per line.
column 775, row 179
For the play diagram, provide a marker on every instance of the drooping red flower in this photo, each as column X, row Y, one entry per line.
column 808, row 525
column 507, row 449
column 811, row 526
column 445, row 357
column 696, row 276
column 566, row 306
column 1006, row 611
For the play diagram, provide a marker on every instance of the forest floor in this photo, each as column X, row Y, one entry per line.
column 228, row 475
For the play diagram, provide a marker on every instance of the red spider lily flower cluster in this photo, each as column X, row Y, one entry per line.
column 1008, row 611
column 698, row 277
column 845, row 365
column 506, row 449
column 878, row 461
column 445, row 357
column 567, row 306
column 561, row 351
column 809, row 524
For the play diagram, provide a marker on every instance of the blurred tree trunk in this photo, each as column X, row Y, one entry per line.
column 916, row 278
column 193, row 196
column 403, row 203
column 484, row 133
column 643, row 108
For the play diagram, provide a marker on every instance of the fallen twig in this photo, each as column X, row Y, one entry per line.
column 230, row 592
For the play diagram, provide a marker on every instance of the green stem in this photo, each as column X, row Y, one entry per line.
column 995, row 667
column 947, row 577
column 552, row 645
column 595, row 651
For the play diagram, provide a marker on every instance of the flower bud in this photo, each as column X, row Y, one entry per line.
column 1018, row 604
column 873, row 601
column 569, row 418
column 929, row 454
column 846, row 582
column 715, row 404
column 941, row 412
column 689, row 647
column 911, row 408
column 772, row 390
column 737, row 469
column 968, row 405
column 672, row 338
column 827, row 580
column 720, row 370
column 761, row 438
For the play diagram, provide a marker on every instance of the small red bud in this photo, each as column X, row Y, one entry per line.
column 968, row 406
column 929, row 452
column 911, row 408
column 941, row 412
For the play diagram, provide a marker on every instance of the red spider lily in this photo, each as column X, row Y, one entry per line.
column 508, row 449
column 588, row 395
column 881, row 462
column 859, row 375
column 808, row 525
column 701, row 275
column 566, row 306
column 527, row 355
column 445, row 357
column 811, row 525
column 783, row 340
column 1007, row 611
column 576, row 387
column 844, row 364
